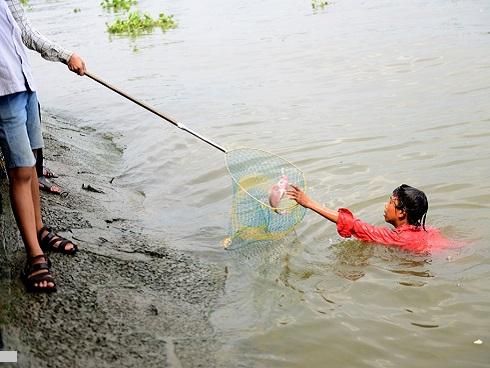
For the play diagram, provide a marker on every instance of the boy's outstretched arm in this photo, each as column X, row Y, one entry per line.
column 302, row 199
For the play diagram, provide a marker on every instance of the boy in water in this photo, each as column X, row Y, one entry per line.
column 406, row 210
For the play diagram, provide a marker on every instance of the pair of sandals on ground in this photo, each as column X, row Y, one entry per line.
column 36, row 274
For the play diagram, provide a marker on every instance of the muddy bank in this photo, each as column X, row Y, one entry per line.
column 125, row 299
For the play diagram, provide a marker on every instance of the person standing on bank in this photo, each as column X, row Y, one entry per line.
column 20, row 138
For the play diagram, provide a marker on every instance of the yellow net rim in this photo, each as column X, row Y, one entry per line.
column 289, row 208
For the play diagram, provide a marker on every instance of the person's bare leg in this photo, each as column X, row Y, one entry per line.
column 26, row 209
column 36, row 200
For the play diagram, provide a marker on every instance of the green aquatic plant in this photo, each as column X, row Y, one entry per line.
column 117, row 5
column 318, row 4
column 137, row 23
column 26, row 4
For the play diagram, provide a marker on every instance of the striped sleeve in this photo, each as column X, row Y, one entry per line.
column 33, row 39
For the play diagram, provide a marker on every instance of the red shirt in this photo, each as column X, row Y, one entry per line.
column 408, row 237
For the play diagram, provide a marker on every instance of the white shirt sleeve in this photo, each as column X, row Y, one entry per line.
column 33, row 39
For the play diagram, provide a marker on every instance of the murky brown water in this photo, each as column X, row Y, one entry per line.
column 363, row 96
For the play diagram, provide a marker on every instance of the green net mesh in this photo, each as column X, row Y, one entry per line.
column 253, row 173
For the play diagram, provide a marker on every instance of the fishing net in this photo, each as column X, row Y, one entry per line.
column 254, row 172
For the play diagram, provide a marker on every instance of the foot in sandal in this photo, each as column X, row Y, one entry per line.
column 49, row 240
column 36, row 275
column 47, row 186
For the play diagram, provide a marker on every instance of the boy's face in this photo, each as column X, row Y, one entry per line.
column 392, row 213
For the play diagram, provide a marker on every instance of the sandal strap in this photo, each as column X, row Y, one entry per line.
column 37, row 267
column 45, row 276
column 60, row 243
column 63, row 244
column 45, row 228
column 48, row 173
column 42, row 230
column 52, row 239
column 33, row 258
column 32, row 266
column 30, row 260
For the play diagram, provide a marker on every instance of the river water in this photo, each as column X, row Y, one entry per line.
column 362, row 96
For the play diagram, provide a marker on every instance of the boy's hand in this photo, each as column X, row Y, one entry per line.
column 76, row 64
column 299, row 196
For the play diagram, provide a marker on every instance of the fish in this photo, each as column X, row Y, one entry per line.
column 226, row 242
column 276, row 193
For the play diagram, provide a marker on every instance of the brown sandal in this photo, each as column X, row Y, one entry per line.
column 47, row 186
column 48, row 173
column 37, row 272
column 54, row 242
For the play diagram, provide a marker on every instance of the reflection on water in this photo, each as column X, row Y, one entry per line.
column 414, row 273
column 351, row 257
column 362, row 96
column 352, row 297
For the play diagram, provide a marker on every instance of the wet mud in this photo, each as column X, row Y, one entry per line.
column 126, row 299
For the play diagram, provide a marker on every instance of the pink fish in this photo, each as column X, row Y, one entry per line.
column 277, row 192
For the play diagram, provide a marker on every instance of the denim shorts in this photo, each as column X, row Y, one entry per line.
column 20, row 129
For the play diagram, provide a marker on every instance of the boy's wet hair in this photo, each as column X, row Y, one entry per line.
column 413, row 202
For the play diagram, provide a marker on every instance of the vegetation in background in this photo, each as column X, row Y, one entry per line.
column 117, row 5
column 24, row 2
column 318, row 4
column 137, row 23
column 134, row 23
